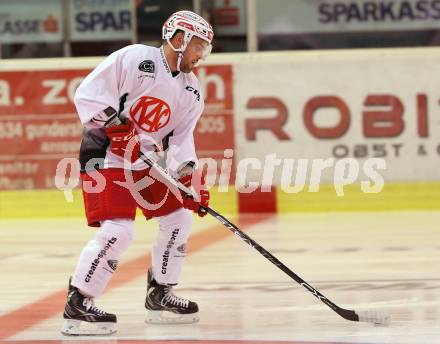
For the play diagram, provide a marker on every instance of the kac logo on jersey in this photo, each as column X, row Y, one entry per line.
column 150, row 113
column 146, row 66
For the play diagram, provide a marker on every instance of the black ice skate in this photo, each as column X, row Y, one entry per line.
column 163, row 307
column 81, row 317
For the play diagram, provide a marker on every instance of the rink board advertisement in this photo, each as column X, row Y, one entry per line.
column 29, row 21
column 339, row 105
column 104, row 20
column 314, row 16
column 39, row 125
column 331, row 105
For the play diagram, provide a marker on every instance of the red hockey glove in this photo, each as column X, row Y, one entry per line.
column 197, row 182
column 120, row 135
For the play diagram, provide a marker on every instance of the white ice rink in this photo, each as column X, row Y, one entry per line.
column 385, row 261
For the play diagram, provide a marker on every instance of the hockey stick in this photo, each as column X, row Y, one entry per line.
column 374, row 317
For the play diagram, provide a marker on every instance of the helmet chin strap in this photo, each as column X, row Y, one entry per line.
column 186, row 38
column 179, row 59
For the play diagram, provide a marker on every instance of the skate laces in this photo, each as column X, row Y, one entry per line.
column 89, row 303
column 173, row 299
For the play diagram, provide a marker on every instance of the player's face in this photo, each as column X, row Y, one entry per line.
column 193, row 53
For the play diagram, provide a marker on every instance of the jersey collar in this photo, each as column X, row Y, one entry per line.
column 165, row 63
column 164, row 60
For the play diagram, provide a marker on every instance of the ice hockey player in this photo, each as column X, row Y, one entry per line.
column 138, row 99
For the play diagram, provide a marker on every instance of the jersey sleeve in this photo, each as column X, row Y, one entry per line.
column 99, row 90
column 104, row 86
column 181, row 144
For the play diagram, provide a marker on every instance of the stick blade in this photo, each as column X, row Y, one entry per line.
column 374, row 317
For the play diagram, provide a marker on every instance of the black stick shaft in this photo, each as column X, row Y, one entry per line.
column 347, row 314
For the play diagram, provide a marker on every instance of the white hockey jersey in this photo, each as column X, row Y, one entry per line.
column 137, row 82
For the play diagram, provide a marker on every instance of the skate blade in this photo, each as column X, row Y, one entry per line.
column 169, row 318
column 85, row 328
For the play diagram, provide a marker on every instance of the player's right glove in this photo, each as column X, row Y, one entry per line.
column 196, row 180
column 120, row 135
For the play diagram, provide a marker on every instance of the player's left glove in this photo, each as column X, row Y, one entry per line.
column 197, row 182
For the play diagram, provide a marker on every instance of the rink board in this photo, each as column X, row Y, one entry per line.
column 354, row 105
column 395, row 196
